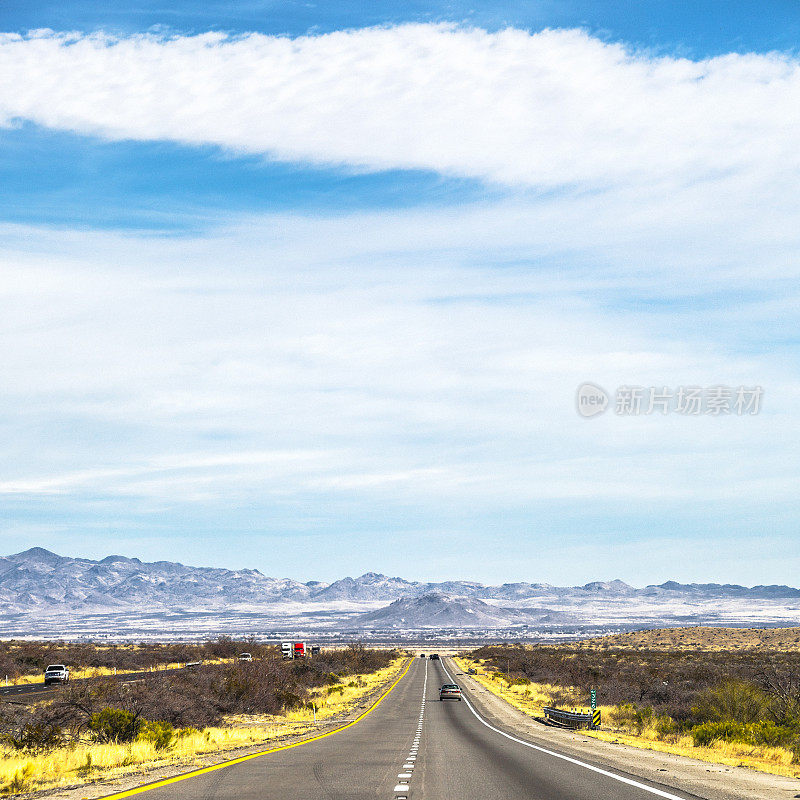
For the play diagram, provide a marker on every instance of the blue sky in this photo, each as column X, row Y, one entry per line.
column 310, row 289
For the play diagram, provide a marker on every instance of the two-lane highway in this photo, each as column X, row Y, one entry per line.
column 412, row 745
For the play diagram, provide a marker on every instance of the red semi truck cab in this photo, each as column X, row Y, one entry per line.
column 299, row 649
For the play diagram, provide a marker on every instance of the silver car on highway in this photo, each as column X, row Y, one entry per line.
column 450, row 691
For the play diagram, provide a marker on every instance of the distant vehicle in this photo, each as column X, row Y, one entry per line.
column 314, row 649
column 434, row 656
column 245, row 657
column 422, row 655
column 193, row 664
column 299, row 650
column 287, row 649
column 56, row 673
column 449, row 691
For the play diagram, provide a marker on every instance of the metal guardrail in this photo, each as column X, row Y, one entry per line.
column 572, row 719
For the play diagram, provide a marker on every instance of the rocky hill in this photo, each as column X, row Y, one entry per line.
column 38, row 580
column 436, row 610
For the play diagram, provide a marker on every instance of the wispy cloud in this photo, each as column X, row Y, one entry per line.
column 553, row 108
column 411, row 355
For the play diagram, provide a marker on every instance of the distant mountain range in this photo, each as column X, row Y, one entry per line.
column 39, row 580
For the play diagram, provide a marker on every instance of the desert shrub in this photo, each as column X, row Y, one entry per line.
column 747, row 696
column 33, row 728
column 34, row 736
column 666, row 726
column 115, row 725
column 772, row 735
column 734, row 701
column 781, row 683
column 222, row 647
column 160, row 734
column 21, row 780
column 632, row 717
column 672, row 682
column 760, row 733
column 623, row 715
column 112, row 711
column 709, row 732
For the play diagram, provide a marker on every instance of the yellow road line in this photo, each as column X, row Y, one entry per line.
column 203, row 770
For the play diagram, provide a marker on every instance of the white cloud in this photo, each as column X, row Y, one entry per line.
column 420, row 357
column 546, row 109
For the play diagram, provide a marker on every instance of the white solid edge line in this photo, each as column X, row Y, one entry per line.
column 575, row 761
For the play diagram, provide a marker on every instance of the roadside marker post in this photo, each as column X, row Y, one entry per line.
column 595, row 712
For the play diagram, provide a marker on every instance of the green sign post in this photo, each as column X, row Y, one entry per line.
column 595, row 712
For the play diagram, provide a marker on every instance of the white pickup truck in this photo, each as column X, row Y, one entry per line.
column 56, row 673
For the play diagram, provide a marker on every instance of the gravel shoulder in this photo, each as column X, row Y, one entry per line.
column 709, row 781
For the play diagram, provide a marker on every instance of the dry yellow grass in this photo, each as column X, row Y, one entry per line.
column 776, row 760
column 531, row 699
column 88, row 761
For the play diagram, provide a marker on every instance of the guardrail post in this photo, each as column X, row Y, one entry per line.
column 568, row 719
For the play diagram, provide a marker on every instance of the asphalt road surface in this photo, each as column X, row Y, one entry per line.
column 412, row 745
column 33, row 692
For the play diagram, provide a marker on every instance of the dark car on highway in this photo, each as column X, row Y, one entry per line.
column 434, row 656
column 449, row 691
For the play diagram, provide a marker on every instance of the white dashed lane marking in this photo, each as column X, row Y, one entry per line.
column 403, row 787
